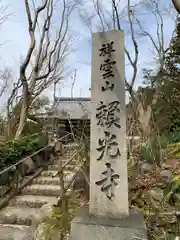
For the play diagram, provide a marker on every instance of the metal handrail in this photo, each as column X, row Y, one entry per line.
column 72, row 158
column 68, row 162
column 22, row 160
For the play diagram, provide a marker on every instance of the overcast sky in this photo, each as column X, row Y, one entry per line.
column 15, row 34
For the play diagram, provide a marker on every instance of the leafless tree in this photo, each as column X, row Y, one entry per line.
column 4, row 13
column 73, row 82
column 5, row 78
column 5, row 72
column 44, row 62
column 160, row 48
column 131, row 15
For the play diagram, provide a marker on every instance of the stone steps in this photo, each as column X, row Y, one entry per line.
column 52, row 180
column 46, row 180
column 51, row 173
column 42, row 190
column 53, row 167
column 19, row 216
column 56, row 167
column 23, row 210
column 14, row 232
column 48, row 173
column 32, row 201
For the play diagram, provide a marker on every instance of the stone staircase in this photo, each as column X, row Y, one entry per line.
column 18, row 216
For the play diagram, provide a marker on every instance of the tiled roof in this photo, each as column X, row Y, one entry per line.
column 73, row 108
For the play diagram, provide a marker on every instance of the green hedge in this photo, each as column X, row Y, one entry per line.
column 13, row 151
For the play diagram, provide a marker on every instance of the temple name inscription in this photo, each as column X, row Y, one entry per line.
column 107, row 117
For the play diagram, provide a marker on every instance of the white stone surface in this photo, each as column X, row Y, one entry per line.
column 100, row 205
column 17, row 215
column 8, row 232
column 32, row 200
column 131, row 227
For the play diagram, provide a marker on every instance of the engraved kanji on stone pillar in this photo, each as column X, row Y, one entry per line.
column 108, row 165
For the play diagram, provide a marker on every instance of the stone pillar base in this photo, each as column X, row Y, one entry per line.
column 85, row 227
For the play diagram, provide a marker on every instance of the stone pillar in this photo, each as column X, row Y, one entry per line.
column 108, row 127
column 108, row 214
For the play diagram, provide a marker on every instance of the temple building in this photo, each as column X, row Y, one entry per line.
column 72, row 115
column 69, row 115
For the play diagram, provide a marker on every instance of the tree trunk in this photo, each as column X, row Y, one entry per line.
column 13, row 117
column 23, row 118
column 24, row 111
column 144, row 117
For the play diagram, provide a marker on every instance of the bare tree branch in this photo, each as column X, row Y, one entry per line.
column 143, row 113
column 73, row 83
column 99, row 13
column 44, row 62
